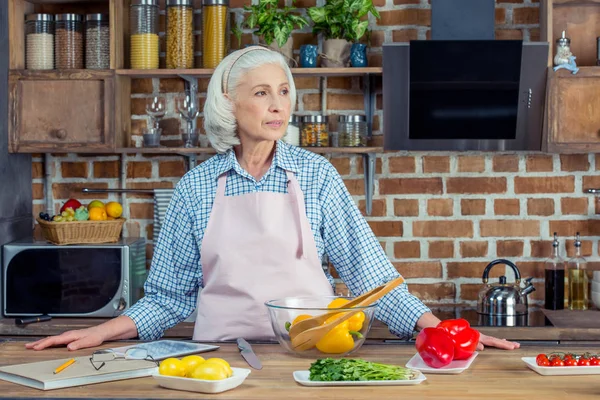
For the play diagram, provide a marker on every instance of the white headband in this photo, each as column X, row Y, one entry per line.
column 230, row 67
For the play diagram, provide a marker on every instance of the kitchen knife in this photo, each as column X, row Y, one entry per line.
column 248, row 354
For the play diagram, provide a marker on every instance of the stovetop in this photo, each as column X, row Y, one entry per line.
column 534, row 318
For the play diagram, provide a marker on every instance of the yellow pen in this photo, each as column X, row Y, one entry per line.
column 65, row 365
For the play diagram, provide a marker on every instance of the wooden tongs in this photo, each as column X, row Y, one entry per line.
column 305, row 334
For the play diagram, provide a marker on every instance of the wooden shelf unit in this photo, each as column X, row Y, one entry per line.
column 209, row 150
column 205, row 73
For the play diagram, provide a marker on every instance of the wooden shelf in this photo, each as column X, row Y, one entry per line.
column 202, row 72
column 206, row 150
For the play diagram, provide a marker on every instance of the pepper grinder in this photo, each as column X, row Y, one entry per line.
column 563, row 50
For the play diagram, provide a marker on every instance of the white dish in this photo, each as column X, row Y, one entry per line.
column 455, row 367
column 554, row 371
column 201, row 385
column 595, row 286
column 302, row 377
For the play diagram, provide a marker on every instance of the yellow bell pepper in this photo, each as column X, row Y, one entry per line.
column 338, row 340
column 355, row 322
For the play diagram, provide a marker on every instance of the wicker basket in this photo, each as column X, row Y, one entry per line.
column 77, row 232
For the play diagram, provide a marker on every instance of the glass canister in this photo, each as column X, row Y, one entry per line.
column 68, row 41
column 292, row 133
column 39, row 39
column 215, row 32
column 97, row 41
column 180, row 34
column 143, row 24
column 315, row 132
column 352, row 130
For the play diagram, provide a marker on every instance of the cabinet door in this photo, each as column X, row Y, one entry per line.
column 573, row 117
column 55, row 110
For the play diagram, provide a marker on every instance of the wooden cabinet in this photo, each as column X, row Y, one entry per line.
column 61, row 110
column 572, row 122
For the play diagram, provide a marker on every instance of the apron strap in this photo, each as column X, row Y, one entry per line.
column 295, row 191
column 221, row 182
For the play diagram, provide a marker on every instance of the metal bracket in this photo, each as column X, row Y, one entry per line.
column 369, row 172
column 192, row 161
column 370, row 101
column 191, row 89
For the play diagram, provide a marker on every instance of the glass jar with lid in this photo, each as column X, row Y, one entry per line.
column 180, row 34
column 39, row 41
column 352, row 130
column 315, row 131
column 144, row 42
column 215, row 32
column 97, row 41
column 292, row 133
column 68, row 41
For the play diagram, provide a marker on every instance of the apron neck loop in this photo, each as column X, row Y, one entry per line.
column 221, row 182
column 295, row 191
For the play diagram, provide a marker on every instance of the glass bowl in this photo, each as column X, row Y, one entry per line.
column 283, row 312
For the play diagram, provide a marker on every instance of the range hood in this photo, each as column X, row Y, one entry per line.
column 463, row 90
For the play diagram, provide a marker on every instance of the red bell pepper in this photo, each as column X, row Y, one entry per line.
column 435, row 347
column 464, row 337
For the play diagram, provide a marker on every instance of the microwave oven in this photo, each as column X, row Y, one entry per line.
column 83, row 280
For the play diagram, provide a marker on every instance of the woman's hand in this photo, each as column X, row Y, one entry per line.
column 75, row 340
column 491, row 341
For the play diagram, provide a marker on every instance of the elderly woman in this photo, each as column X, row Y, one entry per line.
column 252, row 223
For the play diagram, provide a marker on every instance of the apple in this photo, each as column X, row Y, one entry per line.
column 71, row 203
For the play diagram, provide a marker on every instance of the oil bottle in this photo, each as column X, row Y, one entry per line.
column 578, row 279
column 554, row 267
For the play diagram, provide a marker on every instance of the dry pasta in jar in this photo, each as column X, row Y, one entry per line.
column 180, row 34
column 315, row 132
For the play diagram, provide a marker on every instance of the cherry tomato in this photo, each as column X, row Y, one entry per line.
column 583, row 362
column 570, row 362
column 595, row 361
column 557, row 362
column 568, row 357
column 542, row 360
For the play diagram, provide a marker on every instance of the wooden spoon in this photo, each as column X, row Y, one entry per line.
column 305, row 334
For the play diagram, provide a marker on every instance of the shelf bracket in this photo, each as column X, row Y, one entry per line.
column 369, row 176
column 192, row 161
column 191, row 89
column 368, row 86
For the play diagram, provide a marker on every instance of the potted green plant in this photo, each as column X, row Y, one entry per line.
column 273, row 25
column 341, row 22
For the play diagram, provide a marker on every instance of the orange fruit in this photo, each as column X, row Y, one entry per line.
column 97, row 214
column 95, row 203
column 114, row 209
column 171, row 367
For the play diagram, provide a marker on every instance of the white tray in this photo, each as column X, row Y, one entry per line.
column 555, row 371
column 201, row 385
column 302, row 377
column 455, row 367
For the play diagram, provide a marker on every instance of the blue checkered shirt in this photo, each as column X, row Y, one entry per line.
column 339, row 229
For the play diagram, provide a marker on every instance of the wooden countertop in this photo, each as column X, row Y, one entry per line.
column 493, row 374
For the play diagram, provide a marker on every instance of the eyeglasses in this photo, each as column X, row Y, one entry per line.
column 103, row 356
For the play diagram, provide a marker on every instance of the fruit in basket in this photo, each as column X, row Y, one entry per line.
column 114, row 209
column 97, row 214
column 95, row 203
column 82, row 214
column 45, row 216
column 71, row 203
column 58, row 218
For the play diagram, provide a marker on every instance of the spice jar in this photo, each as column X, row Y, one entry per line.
column 292, row 133
column 39, row 38
column 97, row 41
column 314, row 131
column 68, row 43
column 563, row 50
column 143, row 23
column 353, row 130
column 215, row 32
column 180, row 34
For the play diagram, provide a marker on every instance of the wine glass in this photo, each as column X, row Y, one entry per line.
column 156, row 108
column 188, row 108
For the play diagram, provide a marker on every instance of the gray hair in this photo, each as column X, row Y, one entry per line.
column 219, row 120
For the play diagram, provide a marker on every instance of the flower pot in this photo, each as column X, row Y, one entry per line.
column 336, row 53
column 287, row 50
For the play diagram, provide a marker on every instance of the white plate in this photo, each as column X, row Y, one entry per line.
column 302, row 377
column 455, row 367
column 554, row 371
column 201, row 385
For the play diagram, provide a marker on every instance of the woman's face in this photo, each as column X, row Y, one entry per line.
column 263, row 104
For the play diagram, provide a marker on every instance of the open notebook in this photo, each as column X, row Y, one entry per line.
column 40, row 375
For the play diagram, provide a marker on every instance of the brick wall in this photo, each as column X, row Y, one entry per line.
column 441, row 217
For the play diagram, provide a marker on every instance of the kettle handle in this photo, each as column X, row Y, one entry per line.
column 505, row 262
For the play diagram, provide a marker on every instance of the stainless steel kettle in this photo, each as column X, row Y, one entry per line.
column 504, row 298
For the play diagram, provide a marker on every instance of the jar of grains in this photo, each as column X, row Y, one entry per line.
column 143, row 24
column 180, row 34
column 353, row 130
column 314, row 131
column 215, row 32
column 97, row 41
column 39, row 38
column 68, row 43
